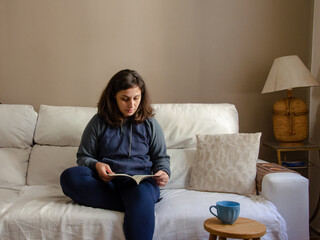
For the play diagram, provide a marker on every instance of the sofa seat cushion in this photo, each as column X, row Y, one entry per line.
column 6, row 197
column 43, row 212
column 181, row 212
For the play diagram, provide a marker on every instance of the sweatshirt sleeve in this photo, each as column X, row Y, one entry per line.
column 87, row 154
column 158, row 149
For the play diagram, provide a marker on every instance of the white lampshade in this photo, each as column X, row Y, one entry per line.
column 287, row 73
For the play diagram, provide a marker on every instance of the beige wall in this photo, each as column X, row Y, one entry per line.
column 63, row 52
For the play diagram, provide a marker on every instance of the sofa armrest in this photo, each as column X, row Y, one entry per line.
column 289, row 192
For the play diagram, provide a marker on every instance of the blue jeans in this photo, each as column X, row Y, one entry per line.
column 83, row 186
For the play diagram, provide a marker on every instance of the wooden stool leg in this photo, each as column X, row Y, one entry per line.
column 222, row 238
column 212, row 237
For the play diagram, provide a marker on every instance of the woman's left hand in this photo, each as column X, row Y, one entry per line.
column 162, row 178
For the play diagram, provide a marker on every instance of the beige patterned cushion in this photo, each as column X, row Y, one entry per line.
column 226, row 163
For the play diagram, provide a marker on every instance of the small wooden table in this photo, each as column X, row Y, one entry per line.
column 242, row 228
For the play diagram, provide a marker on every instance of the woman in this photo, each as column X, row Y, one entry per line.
column 123, row 137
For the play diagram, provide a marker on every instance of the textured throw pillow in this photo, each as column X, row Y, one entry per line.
column 226, row 163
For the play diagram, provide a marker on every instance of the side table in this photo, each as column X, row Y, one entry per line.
column 242, row 228
column 292, row 147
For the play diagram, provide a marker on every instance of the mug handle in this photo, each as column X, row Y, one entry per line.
column 213, row 206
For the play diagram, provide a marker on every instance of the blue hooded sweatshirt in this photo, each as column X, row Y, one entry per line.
column 132, row 148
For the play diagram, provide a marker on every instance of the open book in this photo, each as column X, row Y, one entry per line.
column 137, row 178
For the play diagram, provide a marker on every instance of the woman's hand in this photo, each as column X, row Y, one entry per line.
column 103, row 170
column 162, row 178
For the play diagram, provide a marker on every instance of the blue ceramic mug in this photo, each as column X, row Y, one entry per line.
column 227, row 211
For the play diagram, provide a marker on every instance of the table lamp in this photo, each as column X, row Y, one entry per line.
column 290, row 115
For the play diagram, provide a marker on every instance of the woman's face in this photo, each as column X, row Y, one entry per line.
column 128, row 100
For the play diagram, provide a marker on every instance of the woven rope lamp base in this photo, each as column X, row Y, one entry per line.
column 290, row 119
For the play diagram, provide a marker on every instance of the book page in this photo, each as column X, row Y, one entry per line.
column 137, row 178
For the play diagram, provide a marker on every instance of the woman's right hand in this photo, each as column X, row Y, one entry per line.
column 103, row 170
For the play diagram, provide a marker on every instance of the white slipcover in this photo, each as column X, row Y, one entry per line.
column 41, row 211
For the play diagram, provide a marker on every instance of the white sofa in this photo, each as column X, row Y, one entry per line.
column 36, row 147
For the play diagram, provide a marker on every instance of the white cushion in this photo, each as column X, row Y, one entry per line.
column 43, row 212
column 181, row 122
column 17, row 124
column 48, row 162
column 226, row 163
column 14, row 164
column 181, row 213
column 181, row 161
column 45, row 158
column 62, row 126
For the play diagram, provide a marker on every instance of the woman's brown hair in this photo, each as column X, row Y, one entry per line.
column 107, row 105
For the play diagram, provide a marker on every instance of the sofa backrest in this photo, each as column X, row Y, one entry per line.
column 181, row 122
column 17, row 124
column 61, row 125
column 58, row 133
